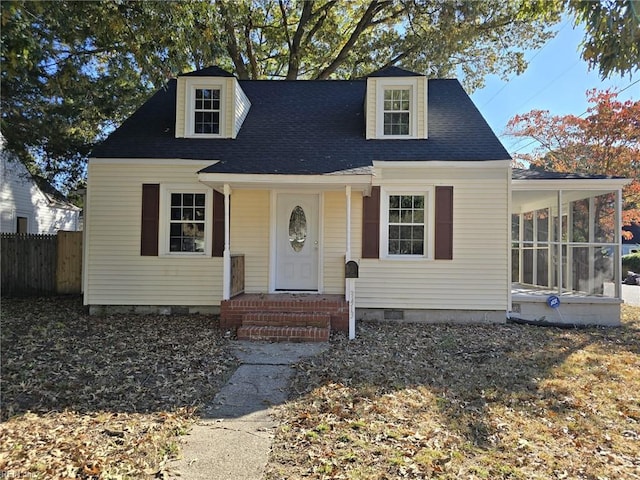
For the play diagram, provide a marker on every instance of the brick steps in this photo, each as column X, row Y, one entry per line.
column 285, row 316
column 283, row 333
column 287, row 319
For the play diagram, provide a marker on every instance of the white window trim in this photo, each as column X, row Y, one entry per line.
column 165, row 209
column 397, row 84
column 429, row 227
column 190, row 96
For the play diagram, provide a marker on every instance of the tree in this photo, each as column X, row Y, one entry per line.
column 605, row 142
column 72, row 71
column 612, row 37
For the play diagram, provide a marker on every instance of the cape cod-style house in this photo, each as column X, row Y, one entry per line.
column 292, row 207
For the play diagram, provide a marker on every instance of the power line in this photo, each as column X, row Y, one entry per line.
column 529, row 62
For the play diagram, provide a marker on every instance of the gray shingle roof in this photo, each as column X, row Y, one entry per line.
column 307, row 127
column 522, row 174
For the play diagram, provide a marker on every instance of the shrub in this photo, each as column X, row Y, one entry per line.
column 631, row 262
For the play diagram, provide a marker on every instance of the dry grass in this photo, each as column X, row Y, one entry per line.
column 101, row 397
column 467, row 402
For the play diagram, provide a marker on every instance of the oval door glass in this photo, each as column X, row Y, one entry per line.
column 297, row 228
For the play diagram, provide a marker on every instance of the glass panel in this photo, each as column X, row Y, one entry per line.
column 418, row 216
column 394, row 216
column 394, row 201
column 200, row 199
column 543, row 225
column 394, row 232
column 297, row 229
column 604, row 218
column 542, row 259
column 515, row 265
column 515, row 227
column 580, row 210
column 527, row 266
column 176, row 199
column 527, row 220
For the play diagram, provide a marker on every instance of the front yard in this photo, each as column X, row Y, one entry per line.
column 467, row 402
column 91, row 397
column 106, row 398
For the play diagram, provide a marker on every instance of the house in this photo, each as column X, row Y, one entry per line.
column 30, row 204
column 382, row 198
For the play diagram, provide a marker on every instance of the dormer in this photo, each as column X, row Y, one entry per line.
column 210, row 104
column 396, row 105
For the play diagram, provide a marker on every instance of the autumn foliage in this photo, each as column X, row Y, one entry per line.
column 605, row 140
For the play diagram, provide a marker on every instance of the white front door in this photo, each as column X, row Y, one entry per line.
column 297, row 241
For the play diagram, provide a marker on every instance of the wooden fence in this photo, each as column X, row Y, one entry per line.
column 41, row 264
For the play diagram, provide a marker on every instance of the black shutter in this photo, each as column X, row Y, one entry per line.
column 150, row 219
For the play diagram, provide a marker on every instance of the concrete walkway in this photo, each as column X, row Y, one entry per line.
column 233, row 438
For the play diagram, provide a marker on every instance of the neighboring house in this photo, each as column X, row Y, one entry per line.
column 217, row 186
column 30, row 204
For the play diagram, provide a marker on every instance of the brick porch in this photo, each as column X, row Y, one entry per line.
column 285, row 316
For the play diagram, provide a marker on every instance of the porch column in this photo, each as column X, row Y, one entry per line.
column 349, row 287
column 591, row 285
column 559, row 254
column 226, row 255
column 617, row 266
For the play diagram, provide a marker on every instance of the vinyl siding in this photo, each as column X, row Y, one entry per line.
column 181, row 93
column 116, row 272
column 477, row 277
column 421, row 114
column 370, row 108
column 241, row 107
column 250, row 210
column 21, row 197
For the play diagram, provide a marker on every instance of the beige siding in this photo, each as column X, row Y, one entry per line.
column 116, row 272
column 370, row 109
column 477, row 277
column 422, row 108
column 180, row 107
column 250, row 236
column 335, row 237
column 229, row 107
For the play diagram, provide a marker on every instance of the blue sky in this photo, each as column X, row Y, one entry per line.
column 556, row 80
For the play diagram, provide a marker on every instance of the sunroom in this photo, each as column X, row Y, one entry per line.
column 566, row 248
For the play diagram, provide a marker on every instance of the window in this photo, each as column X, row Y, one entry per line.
column 186, row 229
column 397, row 111
column 204, row 105
column 405, row 224
column 207, row 111
column 185, row 220
column 22, row 225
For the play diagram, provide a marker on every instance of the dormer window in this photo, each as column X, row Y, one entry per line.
column 396, row 105
column 207, row 111
column 397, row 108
column 397, row 111
column 205, row 108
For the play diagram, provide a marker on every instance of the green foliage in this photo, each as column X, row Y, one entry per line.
column 72, row 71
column 612, row 40
column 631, row 262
